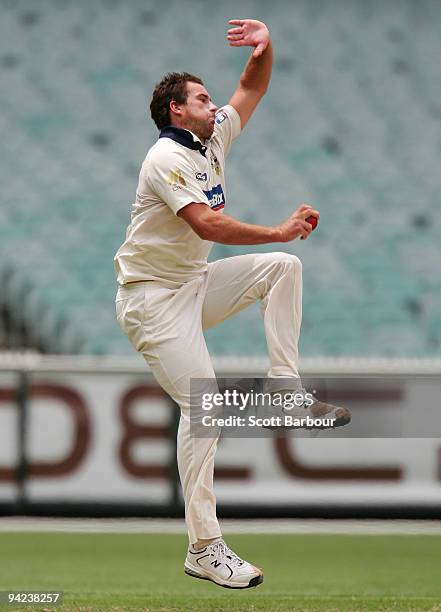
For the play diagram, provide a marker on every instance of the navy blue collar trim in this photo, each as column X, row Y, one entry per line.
column 183, row 137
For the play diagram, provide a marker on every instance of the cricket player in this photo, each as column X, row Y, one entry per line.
column 168, row 293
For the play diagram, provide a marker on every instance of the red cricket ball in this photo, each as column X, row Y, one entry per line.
column 313, row 221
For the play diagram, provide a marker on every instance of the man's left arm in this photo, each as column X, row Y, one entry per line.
column 256, row 76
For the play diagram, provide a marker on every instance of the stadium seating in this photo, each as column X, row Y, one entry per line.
column 351, row 124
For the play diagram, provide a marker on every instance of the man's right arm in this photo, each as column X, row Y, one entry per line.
column 216, row 227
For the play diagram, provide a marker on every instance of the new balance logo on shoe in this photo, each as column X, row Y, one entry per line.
column 218, row 563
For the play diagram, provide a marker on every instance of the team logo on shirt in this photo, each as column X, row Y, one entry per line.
column 214, row 163
column 176, row 180
column 216, row 197
column 201, row 176
column 220, row 116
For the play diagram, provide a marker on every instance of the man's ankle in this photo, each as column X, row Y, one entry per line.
column 200, row 544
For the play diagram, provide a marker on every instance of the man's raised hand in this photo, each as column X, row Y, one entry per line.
column 249, row 33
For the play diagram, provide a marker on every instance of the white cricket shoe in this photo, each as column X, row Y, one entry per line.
column 218, row 563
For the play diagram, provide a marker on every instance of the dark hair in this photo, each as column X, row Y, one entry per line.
column 172, row 87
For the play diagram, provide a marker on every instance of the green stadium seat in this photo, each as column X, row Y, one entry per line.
column 351, row 124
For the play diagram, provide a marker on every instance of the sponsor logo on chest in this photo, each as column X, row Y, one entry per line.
column 216, row 197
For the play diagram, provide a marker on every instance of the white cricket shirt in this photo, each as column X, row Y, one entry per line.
column 178, row 169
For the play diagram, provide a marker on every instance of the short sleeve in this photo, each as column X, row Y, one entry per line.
column 227, row 126
column 173, row 179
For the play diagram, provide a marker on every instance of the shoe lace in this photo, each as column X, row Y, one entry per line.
column 222, row 552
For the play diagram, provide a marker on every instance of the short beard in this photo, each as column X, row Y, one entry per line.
column 202, row 130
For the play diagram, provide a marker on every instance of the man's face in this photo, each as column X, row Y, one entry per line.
column 197, row 114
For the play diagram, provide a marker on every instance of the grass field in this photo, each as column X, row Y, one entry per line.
column 302, row 572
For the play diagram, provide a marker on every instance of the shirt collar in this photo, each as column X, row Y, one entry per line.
column 183, row 137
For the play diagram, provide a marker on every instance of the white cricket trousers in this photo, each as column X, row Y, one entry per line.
column 166, row 326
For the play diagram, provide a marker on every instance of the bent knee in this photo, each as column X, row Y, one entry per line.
column 286, row 259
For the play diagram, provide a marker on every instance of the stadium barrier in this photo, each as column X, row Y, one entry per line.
column 94, row 436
